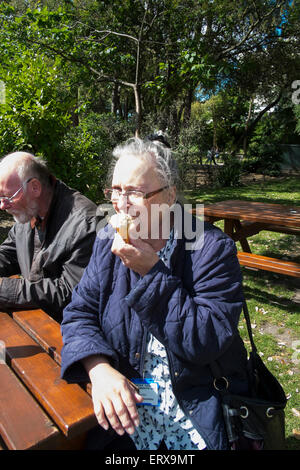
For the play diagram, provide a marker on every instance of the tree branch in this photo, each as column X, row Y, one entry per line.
column 249, row 32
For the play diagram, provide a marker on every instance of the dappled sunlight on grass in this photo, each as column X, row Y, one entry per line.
column 282, row 191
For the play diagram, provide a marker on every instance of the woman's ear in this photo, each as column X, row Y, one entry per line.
column 172, row 195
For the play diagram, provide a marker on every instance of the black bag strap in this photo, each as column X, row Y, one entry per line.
column 249, row 328
column 215, row 367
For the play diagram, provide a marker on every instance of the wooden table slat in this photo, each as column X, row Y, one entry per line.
column 273, row 214
column 23, row 424
column 46, row 332
column 69, row 405
column 43, row 329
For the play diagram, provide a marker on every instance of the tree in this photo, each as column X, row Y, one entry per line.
column 151, row 58
column 35, row 114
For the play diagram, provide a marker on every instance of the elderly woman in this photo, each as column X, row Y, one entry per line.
column 149, row 315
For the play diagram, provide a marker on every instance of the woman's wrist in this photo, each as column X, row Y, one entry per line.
column 94, row 362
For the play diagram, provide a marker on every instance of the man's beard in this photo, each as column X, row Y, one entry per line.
column 25, row 216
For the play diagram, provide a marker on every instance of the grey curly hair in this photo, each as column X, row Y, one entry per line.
column 150, row 149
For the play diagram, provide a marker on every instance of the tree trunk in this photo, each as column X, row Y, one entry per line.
column 115, row 98
column 138, row 110
column 251, row 125
column 188, row 105
column 245, row 140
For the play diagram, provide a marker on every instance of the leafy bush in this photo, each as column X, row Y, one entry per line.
column 266, row 159
column 35, row 113
column 229, row 174
column 87, row 151
column 264, row 151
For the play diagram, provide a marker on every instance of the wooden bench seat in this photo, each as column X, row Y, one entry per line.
column 68, row 405
column 23, row 424
column 251, row 260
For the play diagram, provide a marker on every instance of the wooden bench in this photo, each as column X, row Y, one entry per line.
column 33, row 344
column 265, row 263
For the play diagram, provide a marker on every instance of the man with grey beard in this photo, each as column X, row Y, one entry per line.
column 51, row 242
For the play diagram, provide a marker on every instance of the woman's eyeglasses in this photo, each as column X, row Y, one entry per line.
column 133, row 196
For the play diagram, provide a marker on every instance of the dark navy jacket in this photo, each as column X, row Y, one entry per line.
column 191, row 305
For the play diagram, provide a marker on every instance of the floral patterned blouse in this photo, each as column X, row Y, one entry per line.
column 165, row 422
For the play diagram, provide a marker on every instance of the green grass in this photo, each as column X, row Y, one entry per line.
column 281, row 191
column 275, row 315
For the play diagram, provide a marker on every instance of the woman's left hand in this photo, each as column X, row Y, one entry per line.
column 138, row 256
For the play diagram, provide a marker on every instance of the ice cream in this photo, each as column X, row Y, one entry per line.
column 121, row 222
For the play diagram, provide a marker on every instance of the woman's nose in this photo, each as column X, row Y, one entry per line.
column 122, row 203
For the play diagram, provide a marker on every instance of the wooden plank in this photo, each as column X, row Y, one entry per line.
column 46, row 332
column 43, row 329
column 252, row 228
column 273, row 214
column 68, row 405
column 269, row 264
column 23, row 424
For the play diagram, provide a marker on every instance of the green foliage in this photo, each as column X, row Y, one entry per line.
column 297, row 115
column 57, row 55
column 229, row 174
column 268, row 158
column 87, row 151
column 264, row 152
column 36, row 114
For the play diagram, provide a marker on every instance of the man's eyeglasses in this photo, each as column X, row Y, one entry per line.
column 10, row 199
column 133, row 196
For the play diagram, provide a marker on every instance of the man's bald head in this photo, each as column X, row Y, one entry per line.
column 24, row 165
column 26, row 186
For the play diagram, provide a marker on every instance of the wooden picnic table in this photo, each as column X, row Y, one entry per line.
column 38, row 410
column 243, row 219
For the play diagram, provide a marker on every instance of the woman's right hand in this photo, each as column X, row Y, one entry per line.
column 114, row 397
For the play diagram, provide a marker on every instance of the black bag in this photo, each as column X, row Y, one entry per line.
column 257, row 421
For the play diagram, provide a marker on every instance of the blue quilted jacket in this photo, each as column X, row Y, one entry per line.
column 192, row 305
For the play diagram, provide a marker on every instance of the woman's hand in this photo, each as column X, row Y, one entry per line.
column 139, row 256
column 114, row 397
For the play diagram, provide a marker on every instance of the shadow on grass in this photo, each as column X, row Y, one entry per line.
column 272, row 299
column 260, row 293
column 292, row 443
